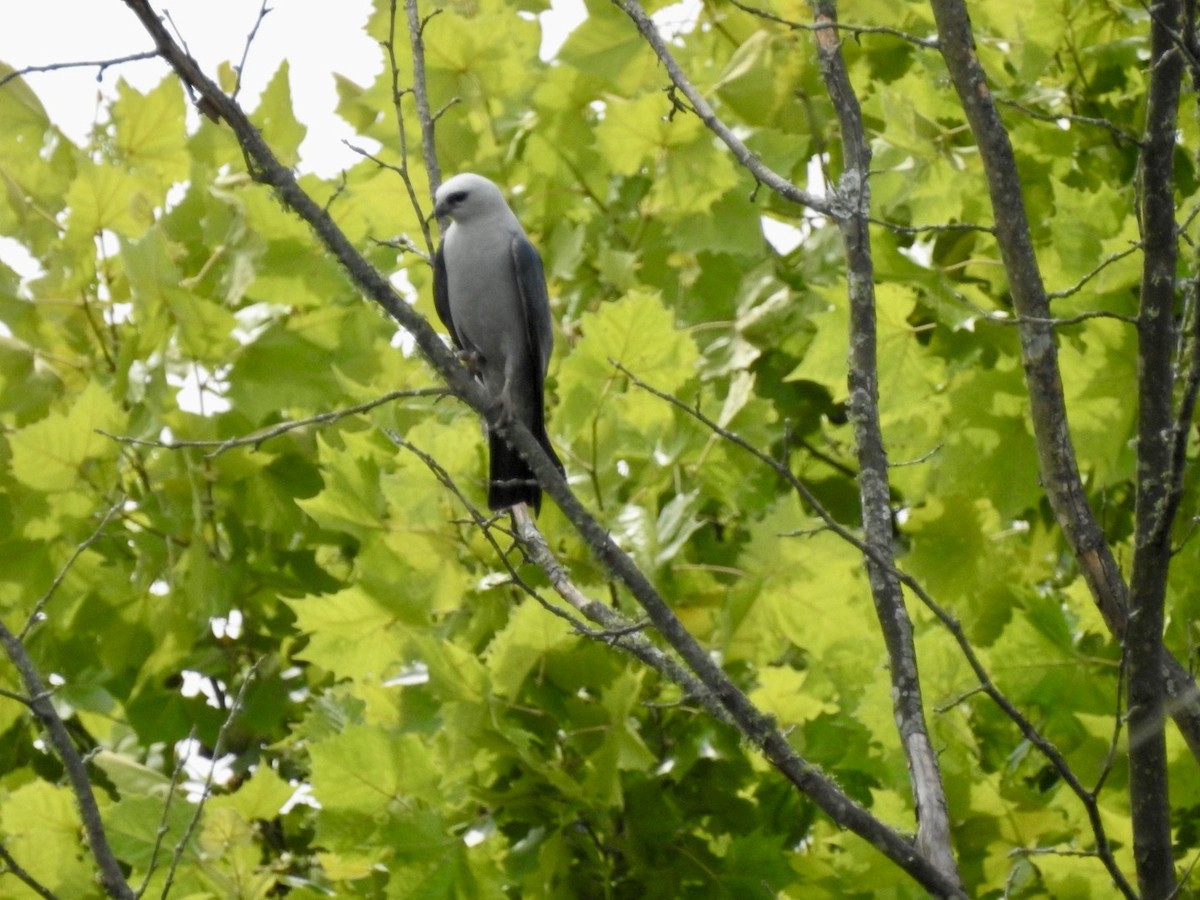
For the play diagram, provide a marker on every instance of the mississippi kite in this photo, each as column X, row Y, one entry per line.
column 490, row 293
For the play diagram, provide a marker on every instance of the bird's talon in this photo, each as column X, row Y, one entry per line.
column 472, row 359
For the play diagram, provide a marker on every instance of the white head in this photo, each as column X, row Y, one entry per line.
column 468, row 196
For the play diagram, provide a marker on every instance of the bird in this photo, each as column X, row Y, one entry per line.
column 489, row 290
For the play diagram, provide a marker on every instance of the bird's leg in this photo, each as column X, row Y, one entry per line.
column 472, row 359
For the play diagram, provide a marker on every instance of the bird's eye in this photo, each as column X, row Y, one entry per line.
column 457, row 197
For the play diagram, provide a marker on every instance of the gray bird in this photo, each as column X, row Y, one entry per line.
column 490, row 293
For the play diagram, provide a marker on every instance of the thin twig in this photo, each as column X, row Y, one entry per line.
column 416, row 39
column 932, row 228
column 1100, row 267
column 383, row 164
column 163, row 827
column 402, row 131
column 101, row 64
column 1185, row 414
column 1117, row 132
column 241, row 67
column 35, row 614
column 1114, row 745
column 32, row 883
column 1050, row 851
column 856, row 30
column 1048, row 321
column 259, row 438
column 217, row 750
column 853, row 191
column 19, row 698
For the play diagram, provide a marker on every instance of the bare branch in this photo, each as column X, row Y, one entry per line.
column 32, row 883
column 932, row 228
column 855, row 30
column 35, row 614
column 163, row 829
column 1119, row 133
column 997, row 318
column 853, row 197
column 258, row 438
column 241, row 67
column 1100, row 267
column 416, row 37
column 402, row 131
column 744, row 155
column 111, row 877
column 217, row 751
column 1156, row 503
column 100, row 64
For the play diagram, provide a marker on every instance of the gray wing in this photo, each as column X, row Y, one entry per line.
column 535, row 303
column 441, row 295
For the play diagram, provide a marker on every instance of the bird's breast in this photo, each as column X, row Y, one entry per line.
column 482, row 291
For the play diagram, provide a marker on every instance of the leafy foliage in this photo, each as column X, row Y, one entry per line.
column 412, row 723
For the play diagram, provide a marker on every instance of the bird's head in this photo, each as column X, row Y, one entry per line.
column 468, row 196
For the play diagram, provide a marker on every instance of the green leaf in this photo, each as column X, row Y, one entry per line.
column 50, row 455
column 275, row 118
column 41, row 828
column 530, row 634
column 105, row 198
column 367, row 769
column 351, row 634
column 150, row 134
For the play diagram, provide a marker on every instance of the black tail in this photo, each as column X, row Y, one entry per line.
column 511, row 480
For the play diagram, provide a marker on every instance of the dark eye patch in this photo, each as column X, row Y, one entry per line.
column 457, row 197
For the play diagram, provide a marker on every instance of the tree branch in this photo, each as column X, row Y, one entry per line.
column 853, row 196
column 402, row 130
column 100, row 64
column 416, row 38
column 36, row 614
column 258, row 438
column 701, row 107
column 218, row 750
column 32, row 883
column 241, row 67
column 855, row 30
column 111, row 878
column 1120, row 134
column 1156, row 502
